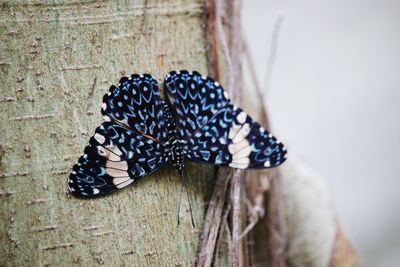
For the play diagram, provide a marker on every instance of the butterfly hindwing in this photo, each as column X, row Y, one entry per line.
column 195, row 99
column 234, row 139
column 136, row 103
column 115, row 157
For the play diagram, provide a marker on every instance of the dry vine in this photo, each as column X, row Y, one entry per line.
column 218, row 24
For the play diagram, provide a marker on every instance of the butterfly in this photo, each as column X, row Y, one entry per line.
column 142, row 132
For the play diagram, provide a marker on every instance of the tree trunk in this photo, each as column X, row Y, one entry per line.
column 56, row 63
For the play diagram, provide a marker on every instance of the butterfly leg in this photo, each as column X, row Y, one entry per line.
column 188, row 197
column 180, row 197
column 183, row 181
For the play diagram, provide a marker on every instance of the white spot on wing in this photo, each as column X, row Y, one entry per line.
column 226, row 94
column 233, row 130
column 241, row 117
column 242, row 133
column 222, row 140
column 96, row 191
column 234, row 148
column 267, row 164
column 119, row 180
column 116, row 173
column 100, row 138
column 243, row 153
column 114, row 157
column 120, row 165
column 123, row 184
column 116, row 153
column 104, row 106
column 116, row 150
column 243, row 161
column 238, row 165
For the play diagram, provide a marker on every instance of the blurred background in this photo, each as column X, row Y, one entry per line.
column 332, row 74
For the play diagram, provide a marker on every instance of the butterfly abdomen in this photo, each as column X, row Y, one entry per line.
column 174, row 146
column 178, row 154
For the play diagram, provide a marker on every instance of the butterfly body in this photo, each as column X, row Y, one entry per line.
column 142, row 132
column 175, row 146
column 178, row 154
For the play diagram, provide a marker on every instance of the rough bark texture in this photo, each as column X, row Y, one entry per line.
column 56, row 62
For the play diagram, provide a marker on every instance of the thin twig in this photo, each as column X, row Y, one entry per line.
column 90, row 95
column 224, row 227
column 254, row 218
column 213, row 219
column 211, row 38
column 272, row 53
column 225, row 47
column 278, row 238
column 254, row 79
column 256, row 188
column 235, row 217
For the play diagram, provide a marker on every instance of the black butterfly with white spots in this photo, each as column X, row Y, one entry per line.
column 142, row 132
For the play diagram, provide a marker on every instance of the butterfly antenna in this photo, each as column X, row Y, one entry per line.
column 188, row 197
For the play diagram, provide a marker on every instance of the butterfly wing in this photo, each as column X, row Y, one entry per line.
column 136, row 103
column 115, row 157
column 128, row 145
column 218, row 132
column 195, row 99
column 232, row 138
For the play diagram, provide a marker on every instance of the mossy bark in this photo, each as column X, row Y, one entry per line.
column 57, row 59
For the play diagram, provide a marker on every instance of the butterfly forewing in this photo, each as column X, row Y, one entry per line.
column 136, row 103
column 115, row 157
column 195, row 100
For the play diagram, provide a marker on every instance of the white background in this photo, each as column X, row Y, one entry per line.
column 334, row 97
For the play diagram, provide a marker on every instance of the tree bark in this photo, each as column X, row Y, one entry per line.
column 57, row 60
